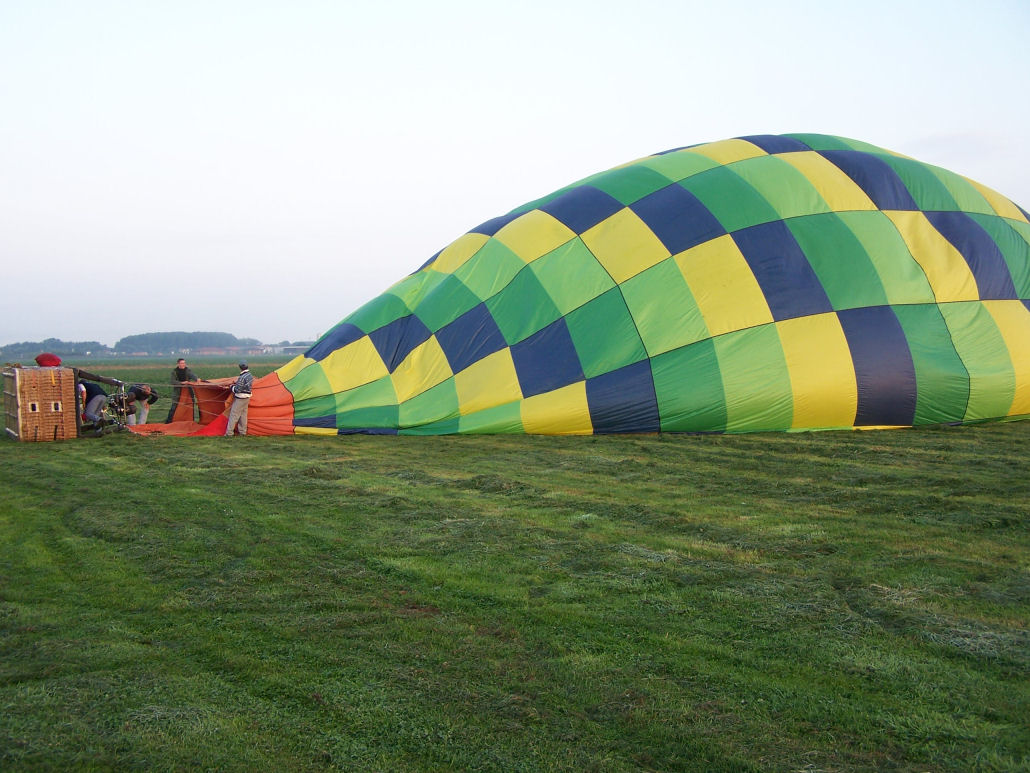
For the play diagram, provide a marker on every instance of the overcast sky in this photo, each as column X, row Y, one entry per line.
column 264, row 168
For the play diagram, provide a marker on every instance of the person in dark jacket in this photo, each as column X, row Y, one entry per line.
column 141, row 396
column 94, row 400
column 181, row 374
column 242, row 388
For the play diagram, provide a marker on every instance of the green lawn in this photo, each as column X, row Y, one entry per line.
column 827, row 601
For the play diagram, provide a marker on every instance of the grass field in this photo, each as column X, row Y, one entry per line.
column 826, row 601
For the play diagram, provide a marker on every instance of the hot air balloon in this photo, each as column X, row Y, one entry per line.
column 762, row 283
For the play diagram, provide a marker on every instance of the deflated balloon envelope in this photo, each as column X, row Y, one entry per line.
column 761, row 283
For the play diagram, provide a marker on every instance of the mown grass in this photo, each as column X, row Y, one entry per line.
column 832, row 601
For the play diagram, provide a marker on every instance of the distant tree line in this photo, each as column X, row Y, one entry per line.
column 144, row 342
column 26, row 350
column 178, row 341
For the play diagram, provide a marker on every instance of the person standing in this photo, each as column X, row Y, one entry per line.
column 241, row 391
column 181, row 374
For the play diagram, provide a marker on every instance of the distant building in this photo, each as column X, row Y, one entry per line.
column 224, row 351
column 290, row 349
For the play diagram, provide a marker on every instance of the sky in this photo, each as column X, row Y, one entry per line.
column 265, row 168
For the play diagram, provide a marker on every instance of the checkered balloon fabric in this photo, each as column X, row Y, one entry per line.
column 761, row 283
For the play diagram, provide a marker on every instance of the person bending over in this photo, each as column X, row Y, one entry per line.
column 142, row 397
column 94, row 400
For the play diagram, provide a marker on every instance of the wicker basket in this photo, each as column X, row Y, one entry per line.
column 39, row 403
